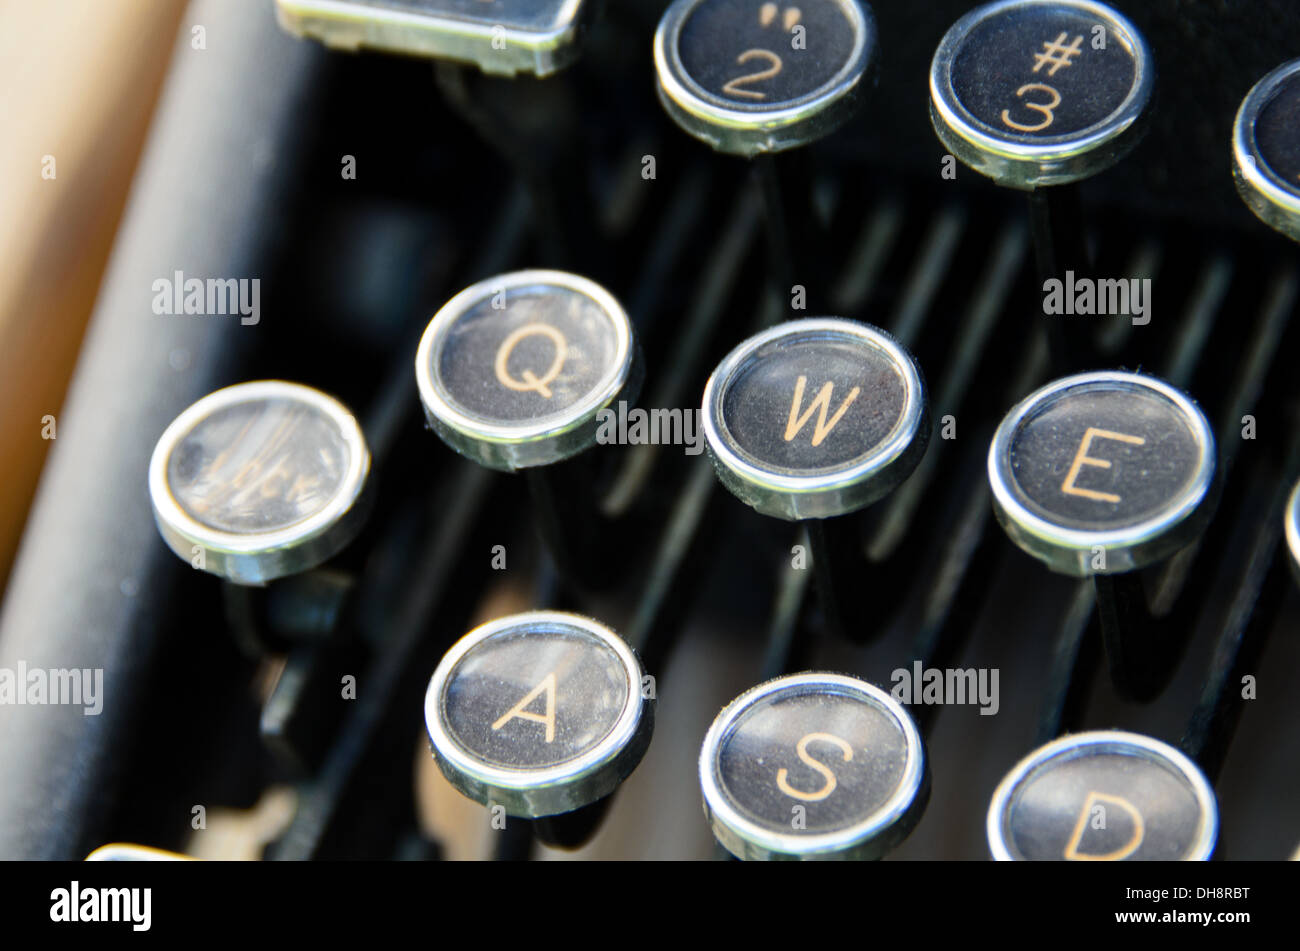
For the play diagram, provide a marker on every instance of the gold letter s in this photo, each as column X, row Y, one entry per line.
column 802, row 749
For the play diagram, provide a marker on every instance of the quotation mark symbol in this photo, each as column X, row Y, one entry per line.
column 768, row 11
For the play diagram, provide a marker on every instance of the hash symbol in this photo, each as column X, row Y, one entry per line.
column 1058, row 54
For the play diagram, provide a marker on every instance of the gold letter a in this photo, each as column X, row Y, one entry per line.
column 548, row 685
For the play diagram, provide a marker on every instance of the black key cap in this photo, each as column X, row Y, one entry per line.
column 514, row 370
column 541, row 713
column 813, row 766
column 750, row 77
column 754, row 79
column 1266, row 149
column 1100, row 475
column 260, row 480
column 513, row 373
column 1038, row 95
column 1105, row 796
column 1103, row 472
column 259, row 483
column 813, row 420
column 1040, row 92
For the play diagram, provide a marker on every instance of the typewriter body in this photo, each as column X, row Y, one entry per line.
column 364, row 189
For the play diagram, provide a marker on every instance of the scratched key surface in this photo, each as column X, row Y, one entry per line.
column 259, row 466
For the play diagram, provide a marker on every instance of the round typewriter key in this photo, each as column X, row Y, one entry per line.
column 1105, row 796
column 260, row 480
column 541, row 713
column 813, row 766
column 514, row 371
column 1103, row 472
column 1293, row 528
column 1100, row 475
column 1037, row 93
column 749, row 77
column 812, row 420
column 1040, row 92
column 815, row 418
column 1266, row 149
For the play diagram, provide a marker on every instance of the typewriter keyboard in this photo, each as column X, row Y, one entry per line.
column 709, row 429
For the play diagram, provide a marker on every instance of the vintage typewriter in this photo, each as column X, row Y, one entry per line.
column 647, row 430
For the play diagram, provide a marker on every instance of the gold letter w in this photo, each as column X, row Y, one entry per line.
column 822, row 403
